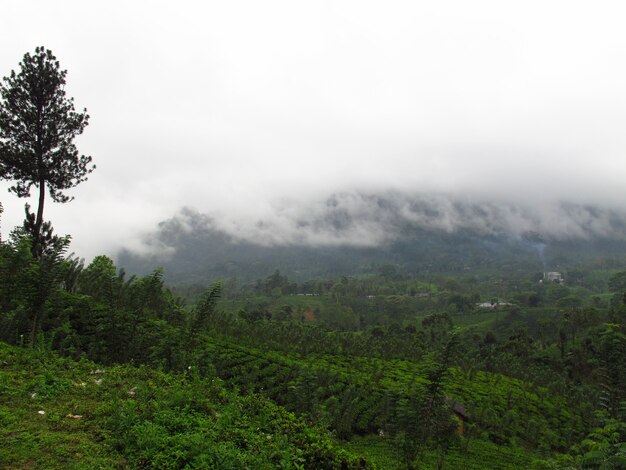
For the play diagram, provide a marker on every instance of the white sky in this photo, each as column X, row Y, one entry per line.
column 234, row 106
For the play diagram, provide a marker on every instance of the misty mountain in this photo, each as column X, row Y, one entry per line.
column 353, row 233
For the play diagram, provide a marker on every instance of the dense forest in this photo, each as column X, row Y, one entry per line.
column 455, row 349
column 377, row 370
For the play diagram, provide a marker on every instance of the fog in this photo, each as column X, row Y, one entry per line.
column 258, row 114
column 370, row 220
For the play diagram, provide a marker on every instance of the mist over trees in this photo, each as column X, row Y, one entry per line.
column 193, row 248
column 363, row 219
column 422, row 348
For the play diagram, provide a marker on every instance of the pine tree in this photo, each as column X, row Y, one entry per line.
column 38, row 125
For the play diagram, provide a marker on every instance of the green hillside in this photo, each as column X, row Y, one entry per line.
column 59, row 413
column 380, row 370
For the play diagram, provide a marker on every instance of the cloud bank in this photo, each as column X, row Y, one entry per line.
column 374, row 220
column 257, row 111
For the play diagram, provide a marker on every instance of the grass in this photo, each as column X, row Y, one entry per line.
column 57, row 413
column 32, row 384
column 467, row 455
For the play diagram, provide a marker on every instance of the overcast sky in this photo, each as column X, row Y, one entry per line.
column 238, row 107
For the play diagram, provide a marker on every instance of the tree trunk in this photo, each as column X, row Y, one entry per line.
column 39, row 220
column 34, row 329
column 37, row 236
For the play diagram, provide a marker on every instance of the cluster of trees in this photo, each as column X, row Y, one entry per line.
column 565, row 343
column 55, row 301
column 571, row 342
column 93, row 310
column 350, row 397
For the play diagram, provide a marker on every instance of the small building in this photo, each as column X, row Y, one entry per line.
column 490, row 306
column 553, row 277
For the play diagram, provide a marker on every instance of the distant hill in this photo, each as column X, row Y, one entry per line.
column 350, row 235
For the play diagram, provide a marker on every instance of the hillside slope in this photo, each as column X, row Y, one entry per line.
column 58, row 413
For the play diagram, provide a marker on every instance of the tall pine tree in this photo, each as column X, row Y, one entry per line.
column 38, row 124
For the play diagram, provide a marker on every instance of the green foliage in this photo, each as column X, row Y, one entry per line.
column 38, row 125
column 617, row 282
column 613, row 371
column 206, row 308
column 275, row 285
column 140, row 418
column 605, row 446
column 28, row 286
column 363, row 356
column 470, row 454
column 363, row 395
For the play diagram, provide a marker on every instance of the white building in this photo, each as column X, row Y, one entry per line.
column 553, row 277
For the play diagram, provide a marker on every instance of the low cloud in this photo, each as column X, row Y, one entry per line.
column 485, row 116
column 371, row 220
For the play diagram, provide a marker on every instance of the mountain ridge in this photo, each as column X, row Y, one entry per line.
column 416, row 235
